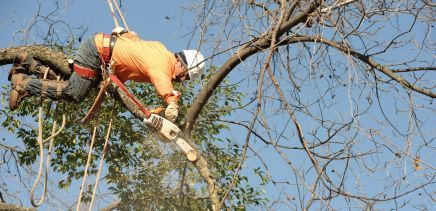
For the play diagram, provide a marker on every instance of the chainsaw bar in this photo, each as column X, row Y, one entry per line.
column 171, row 132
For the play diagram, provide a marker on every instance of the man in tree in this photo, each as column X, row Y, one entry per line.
column 129, row 57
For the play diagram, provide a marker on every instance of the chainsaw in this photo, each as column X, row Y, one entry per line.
column 169, row 132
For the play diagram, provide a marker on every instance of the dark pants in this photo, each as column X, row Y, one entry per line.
column 78, row 87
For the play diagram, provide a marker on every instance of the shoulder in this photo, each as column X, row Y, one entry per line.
column 132, row 36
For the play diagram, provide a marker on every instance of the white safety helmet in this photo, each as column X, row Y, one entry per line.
column 118, row 30
column 193, row 61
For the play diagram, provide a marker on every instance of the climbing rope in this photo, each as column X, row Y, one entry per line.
column 41, row 142
column 41, row 163
column 85, row 174
column 101, row 164
column 119, row 14
column 113, row 13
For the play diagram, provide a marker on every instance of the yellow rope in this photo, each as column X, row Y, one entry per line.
column 41, row 142
column 119, row 14
column 101, row 164
column 113, row 13
column 85, row 174
column 41, row 163
column 55, row 133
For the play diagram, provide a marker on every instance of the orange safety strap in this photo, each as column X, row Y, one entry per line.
column 106, row 57
column 44, row 87
column 59, row 89
column 117, row 81
column 84, row 72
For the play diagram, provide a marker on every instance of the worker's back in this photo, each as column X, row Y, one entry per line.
column 136, row 59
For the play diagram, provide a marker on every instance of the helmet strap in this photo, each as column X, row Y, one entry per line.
column 182, row 58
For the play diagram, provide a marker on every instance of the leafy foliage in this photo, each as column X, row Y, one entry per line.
column 142, row 171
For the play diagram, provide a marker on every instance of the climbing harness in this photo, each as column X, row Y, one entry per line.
column 84, row 72
column 108, row 44
column 106, row 56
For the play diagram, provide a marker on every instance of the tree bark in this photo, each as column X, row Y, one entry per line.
column 10, row 207
column 56, row 60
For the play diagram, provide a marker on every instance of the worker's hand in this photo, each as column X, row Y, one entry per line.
column 172, row 111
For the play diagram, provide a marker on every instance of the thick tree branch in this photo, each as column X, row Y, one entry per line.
column 258, row 44
column 54, row 59
column 4, row 206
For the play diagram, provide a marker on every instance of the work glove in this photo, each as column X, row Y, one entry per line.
column 157, row 111
column 172, row 111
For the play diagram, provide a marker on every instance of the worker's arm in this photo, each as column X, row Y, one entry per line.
column 162, row 82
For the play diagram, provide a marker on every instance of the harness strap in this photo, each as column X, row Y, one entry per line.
column 117, row 81
column 84, row 72
column 108, row 45
column 44, row 87
column 105, row 57
column 97, row 102
column 59, row 89
column 106, row 48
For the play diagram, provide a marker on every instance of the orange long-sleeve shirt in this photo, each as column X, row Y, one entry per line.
column 143, row 61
